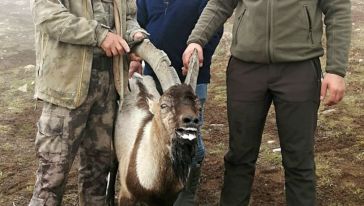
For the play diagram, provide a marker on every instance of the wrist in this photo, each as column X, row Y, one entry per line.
column 130, row 34
column 336, row 73
column 101, row 34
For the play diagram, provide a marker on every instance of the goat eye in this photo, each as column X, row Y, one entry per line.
column 163, row 106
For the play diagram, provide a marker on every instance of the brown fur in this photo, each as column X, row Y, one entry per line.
column 168, row 184
column 142, row 97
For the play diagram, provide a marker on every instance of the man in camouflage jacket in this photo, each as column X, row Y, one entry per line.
column 76, row 78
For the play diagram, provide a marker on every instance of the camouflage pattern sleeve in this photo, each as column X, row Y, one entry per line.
column 55, row 20
column 132, row 25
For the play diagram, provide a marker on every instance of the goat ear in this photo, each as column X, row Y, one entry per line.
column 153, row 105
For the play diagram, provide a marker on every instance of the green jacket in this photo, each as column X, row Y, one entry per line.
column 270, row 31
column 66, row 33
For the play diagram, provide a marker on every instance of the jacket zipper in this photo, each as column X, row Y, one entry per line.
column 78, row 95
column 166, row 4
column 269, row 24
column 309, row 24
column 45, row 40
column 44, row 45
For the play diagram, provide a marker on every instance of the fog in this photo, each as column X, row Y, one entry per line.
column 16, row 32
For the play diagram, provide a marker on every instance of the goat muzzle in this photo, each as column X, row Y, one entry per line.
column 187, row 133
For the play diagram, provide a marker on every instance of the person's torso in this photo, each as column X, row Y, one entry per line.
column 64, row 69
column 267, row 31
column 169, row 23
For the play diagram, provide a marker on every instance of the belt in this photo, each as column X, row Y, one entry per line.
column 102, row 63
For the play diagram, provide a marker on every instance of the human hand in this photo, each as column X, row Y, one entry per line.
column 138, row 36
column 134, row 57
column 114, row 45
column 187, row 55
column 335, row 84
column 135, row 66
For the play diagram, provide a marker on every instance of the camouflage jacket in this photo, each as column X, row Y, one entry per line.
column 66, row 33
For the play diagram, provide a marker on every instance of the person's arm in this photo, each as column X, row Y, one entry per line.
column 338, row 34
column 132, row 26
column 213, row 17
column 210, row 47
column 56, row 21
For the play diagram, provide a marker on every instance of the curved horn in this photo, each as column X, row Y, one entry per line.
column 193, row 68
column 159, row 62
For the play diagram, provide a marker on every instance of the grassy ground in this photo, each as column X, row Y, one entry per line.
column 339, row 140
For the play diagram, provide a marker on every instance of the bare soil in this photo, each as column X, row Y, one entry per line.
column 339, row 140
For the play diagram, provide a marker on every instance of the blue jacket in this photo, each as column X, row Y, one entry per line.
column 170, row 23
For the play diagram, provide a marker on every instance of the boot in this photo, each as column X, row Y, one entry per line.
column 187, row 196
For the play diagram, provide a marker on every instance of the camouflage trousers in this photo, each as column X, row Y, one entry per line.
column 63, row 132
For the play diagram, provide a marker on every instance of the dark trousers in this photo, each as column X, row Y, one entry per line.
column 294, row 89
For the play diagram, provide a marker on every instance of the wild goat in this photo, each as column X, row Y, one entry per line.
column 155, row 136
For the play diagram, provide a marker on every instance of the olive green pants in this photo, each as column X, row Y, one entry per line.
column 294, row 89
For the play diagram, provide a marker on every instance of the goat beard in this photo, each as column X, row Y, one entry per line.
column 183, row 151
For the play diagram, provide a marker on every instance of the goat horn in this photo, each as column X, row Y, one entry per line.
column 193, row 68
column 159, row 62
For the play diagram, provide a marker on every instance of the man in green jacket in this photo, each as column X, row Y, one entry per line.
column 77, row 80
column 275, row 52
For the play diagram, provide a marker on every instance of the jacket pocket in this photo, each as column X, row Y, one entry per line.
column 49, row 140
column 237, row 25
column 309, row 23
